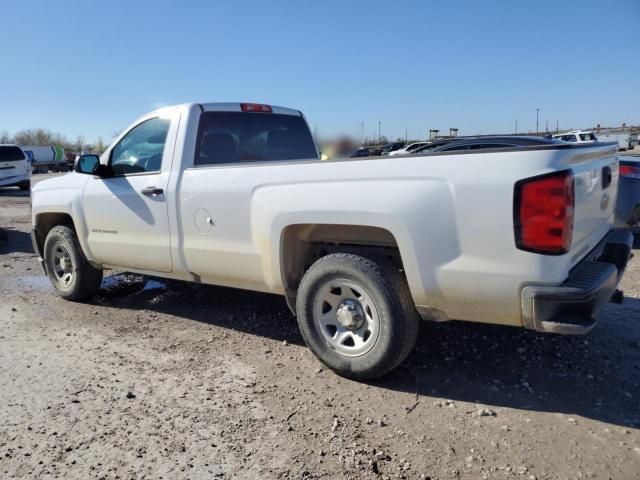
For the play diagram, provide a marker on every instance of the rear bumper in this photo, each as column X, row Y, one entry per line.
column 571, row 307
column 15, row 180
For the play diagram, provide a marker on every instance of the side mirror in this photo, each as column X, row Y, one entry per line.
column 86, row 164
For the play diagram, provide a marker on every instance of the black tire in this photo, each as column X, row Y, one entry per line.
column 43, row 169
column 84, row 280
column 398, row 320
column 25, row 186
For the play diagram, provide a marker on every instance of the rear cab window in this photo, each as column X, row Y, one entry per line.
column 252, row 137
column 11, row 153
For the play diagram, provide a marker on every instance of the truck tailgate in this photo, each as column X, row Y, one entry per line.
column 595, row 172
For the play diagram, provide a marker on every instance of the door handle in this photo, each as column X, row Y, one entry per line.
column 153, row 191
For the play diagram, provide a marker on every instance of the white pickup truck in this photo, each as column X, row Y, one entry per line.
column 235, row 194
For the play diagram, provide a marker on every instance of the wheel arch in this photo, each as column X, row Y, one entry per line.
column 44, row 222
column 301, row 244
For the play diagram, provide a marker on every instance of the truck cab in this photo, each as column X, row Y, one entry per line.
column 577, row 136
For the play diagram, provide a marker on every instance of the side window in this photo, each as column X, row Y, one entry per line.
column 245, row 137
column 141, row 149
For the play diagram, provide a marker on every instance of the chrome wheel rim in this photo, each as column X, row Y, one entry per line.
column 62, row 265
column 346, row 317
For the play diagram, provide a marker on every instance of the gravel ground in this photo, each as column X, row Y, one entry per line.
column 164, row 379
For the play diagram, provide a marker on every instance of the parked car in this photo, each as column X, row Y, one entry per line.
column 71, row 159
column 409, row 148
column 430, row 146
column 361, row 249
column 576, row 136
column 370, row 151
column 484, row 143
column 361, row 152
column 15, row 167
column 391, row 147
column 628, row 203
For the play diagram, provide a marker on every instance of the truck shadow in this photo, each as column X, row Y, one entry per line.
column 13, row 192
column 14, row 241
column 594, row 376
column 259, row 314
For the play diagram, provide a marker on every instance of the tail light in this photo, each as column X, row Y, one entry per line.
column 255, row 107
column 629, row 171
column 543, row 213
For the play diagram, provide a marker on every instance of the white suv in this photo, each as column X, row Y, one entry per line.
column 15, row 168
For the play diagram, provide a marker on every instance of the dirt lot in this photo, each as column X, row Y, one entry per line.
column 155, row 379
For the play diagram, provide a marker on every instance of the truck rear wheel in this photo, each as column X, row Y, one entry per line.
column 70, row 273
column 356, row 315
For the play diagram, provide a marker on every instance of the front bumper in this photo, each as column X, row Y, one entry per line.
column 571, row 307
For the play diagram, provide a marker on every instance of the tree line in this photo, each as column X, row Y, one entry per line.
column 41, row 137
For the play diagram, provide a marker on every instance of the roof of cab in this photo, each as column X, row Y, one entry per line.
column 235, row 107
column 571, row 132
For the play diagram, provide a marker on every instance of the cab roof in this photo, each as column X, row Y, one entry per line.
column 237, row 107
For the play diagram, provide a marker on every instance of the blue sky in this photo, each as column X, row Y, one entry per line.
column 92, row 67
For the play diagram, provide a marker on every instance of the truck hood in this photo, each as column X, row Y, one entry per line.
column 70, row 180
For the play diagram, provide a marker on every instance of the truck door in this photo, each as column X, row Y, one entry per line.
column 127, row 215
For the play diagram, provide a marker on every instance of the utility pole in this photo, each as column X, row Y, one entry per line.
column 546, row 127
column 379, row 123
column 537, row 129
column 516, row 127
column 405, row 135
column 556, row 126
column 362, row 125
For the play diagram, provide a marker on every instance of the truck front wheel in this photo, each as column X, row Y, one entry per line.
column 356, row 315
column 70, row 272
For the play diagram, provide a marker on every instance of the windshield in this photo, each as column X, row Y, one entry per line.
column 11, row 154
